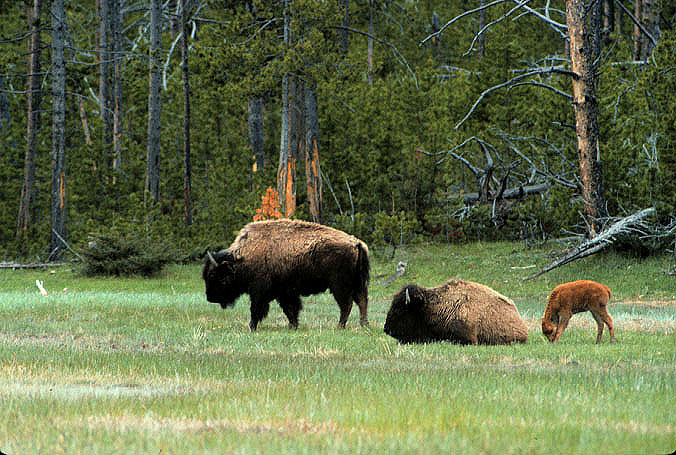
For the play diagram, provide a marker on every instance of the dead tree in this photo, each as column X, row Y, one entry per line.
column 152, row 186
column 33, row 95
column 630, row 224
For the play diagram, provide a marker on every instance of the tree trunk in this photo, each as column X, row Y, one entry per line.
column 482, row 23
column 313, row 177
column 154, row 103
column 288, row 147
column 584, row 27
column 369, row 75
column 651, row 21
column 104, row 78
column 5, row 113
column 256, row 132
column 58, row 199
column 637, row 31
column 33, row 95
column 116, row 35
column 608, row 17
column 346, row 23
column 187, row 166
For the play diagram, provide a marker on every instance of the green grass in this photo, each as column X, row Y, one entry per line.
column 148, row 366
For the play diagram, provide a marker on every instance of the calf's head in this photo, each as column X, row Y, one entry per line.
column 405, row 320
column 220, row 278
column 548, row 328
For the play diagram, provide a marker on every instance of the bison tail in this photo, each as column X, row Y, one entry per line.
column 363, row 265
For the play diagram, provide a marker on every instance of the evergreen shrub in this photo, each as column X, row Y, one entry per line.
column 125, row 254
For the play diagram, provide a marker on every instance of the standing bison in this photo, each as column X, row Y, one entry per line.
column 576, row 297
column 459, row 311
column 285, row 259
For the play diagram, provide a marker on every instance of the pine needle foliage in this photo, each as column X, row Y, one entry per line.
column 125, row 255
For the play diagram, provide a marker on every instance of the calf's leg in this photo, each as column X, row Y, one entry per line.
column 599, row 324
column 609, row 322
column 564, row 317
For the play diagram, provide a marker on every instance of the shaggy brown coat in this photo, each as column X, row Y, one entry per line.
column 576, row 297
column 286, row 259
column 459, row 311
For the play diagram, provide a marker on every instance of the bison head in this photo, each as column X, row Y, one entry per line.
column 220, row 278
column 548, row 328
column 405, row 320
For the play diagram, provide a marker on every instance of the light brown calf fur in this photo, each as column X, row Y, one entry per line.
column 576, row 297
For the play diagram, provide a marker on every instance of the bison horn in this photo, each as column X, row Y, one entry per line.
column 211, row 258
column 408, row 297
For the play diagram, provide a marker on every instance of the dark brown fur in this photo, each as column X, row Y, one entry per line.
column 284, row 260
column 576, row 297
column 458, row 311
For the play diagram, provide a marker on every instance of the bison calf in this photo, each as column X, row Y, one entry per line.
column 575, row 297
column 284, row 260
column 458, row 311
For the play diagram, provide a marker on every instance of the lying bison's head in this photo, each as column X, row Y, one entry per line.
column 219, row 277
column 405, row 320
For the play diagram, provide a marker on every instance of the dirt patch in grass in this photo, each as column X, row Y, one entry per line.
column 187, row 425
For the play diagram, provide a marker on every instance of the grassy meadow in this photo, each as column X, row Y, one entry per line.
column 120, row 365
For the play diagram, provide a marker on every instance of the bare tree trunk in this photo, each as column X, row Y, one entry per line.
column 584, row 28
column 58, row 199
column 370, row 45
column 187, row 166
column 85, row 125
column 637, row 31
column 286, row 172
column 256, row 132
column 651, row 21
column 154, row 103
column 116, row 35
column 104, row 78
column 33, row 95
column 313, row 177
column 608, row 17
column 482, row 23
column 346, row 23
column 5, row 113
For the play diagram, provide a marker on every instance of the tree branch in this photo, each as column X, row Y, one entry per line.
column 638, row 24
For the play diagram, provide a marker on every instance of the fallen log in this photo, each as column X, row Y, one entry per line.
column 631, row 223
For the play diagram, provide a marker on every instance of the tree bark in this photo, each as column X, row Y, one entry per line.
column 651, row 21
column 370, row 45
column 256, row 141
column 104, row 78
column 116, row 35
column 187, row 166
column 58, row 198
column 33, row 95
column 154, row 103
column 313, row 177
column 345, row 41
column 584, row 27
column 637, row 31
column 5, row 113
column 482, row 23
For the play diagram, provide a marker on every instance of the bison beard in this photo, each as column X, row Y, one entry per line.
column 283, row 260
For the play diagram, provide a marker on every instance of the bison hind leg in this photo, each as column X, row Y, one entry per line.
column 361, row 299
column 344, row 301
column 291, row 306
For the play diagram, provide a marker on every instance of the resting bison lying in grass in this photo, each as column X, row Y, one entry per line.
column 458, row 311
column 575, row 297
column 285, row 259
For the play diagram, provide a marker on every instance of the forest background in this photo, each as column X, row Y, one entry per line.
column 383, row 111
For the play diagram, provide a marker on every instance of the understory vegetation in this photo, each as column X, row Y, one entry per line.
column 130, row 365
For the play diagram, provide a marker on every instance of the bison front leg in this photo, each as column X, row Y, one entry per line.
column 564, row 318
column 291, row 305
column 259, row 310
